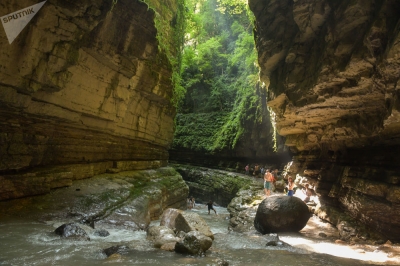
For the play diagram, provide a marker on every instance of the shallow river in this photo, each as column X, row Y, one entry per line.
column 25, row 242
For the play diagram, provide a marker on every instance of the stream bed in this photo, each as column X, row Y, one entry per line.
column 29, row 242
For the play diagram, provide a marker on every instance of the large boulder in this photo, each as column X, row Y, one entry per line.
column 72, row 230
column 194, row 243
column 161, row 235
column 186, row 222
column 281, row 214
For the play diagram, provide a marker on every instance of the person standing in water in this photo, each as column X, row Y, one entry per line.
column 189, row 203
column 193, row 203
column 267, row 182
column 290, row 187
column 211, row 207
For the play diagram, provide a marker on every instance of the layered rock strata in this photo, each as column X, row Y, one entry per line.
column 332, row 69
column 128, row 199
column 216, row 185
column 85, row 82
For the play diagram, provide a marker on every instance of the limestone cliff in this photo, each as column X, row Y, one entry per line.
column 86, row 83
column 332, row 68
column 130, row 199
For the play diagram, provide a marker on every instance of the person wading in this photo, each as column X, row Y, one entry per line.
column 267, row 182
column 211, row 207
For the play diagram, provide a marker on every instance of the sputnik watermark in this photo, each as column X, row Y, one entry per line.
column 15, row 22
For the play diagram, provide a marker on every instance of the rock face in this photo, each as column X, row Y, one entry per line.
column 256, row 145
column 243, row 209
column 332, row 70
column 209, row 184
column 281, row 214
column 85, row 82
column 128, row 200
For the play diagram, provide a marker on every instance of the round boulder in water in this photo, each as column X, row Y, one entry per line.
column 281, row 214
column 72, row 230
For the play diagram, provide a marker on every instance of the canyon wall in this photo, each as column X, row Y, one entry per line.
column 85, row 87
column 258, row 144
column 332, row 70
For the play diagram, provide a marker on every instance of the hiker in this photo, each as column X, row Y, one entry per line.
column 211, row 207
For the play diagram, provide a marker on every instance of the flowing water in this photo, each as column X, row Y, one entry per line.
column 28, row 242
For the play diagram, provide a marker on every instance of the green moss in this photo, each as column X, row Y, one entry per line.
column 170, row 37
column 197, row 131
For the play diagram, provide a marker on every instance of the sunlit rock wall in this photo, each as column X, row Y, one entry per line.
column 333, row 68
column 85, row 83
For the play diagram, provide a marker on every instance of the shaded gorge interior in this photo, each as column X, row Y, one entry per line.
column 111, row 112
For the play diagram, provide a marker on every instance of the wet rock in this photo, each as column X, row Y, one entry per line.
column 181, row 234
column 346, row 230
column 274, row 243
column 113, row 170
column 322, row 234
column 225, row 185
column 243, row 209
column 341, row 242
column 114, row 257
column 194, row 243
column 72, row 230
column 244, row 221
column 168, row 246
column 281, row 214
column 121, row 249
column 88, row 222
column 186, row 222
column 101, row 232
column 272, row 240
column 222, row 262
column 161, row 235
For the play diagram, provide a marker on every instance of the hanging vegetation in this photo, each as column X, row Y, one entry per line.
column 169, row 24
column 219, row 73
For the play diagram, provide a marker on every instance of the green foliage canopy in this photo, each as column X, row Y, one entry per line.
column 219, row 73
